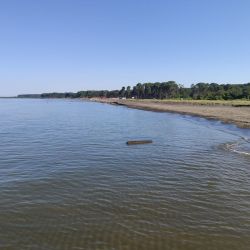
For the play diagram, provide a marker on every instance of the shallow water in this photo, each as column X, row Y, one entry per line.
column 69, row 181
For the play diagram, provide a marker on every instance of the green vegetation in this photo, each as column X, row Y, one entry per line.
column 238, row 102
column 29, row 96
column 164, row 90
column 80, row 94
column 200, row 91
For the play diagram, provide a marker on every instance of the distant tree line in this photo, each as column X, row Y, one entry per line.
column 162, row 90
column 80, row 94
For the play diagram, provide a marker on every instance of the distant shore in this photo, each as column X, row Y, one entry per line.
column 233, row 113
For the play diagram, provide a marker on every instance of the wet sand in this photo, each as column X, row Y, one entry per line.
column 240, row 116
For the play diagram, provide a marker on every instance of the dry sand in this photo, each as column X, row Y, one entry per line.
column 239, row 116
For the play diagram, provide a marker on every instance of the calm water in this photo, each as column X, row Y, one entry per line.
column 69, row 181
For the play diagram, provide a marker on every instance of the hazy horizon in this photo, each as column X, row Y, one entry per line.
column 68, row 46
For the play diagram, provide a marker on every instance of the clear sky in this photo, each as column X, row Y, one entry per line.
column 59, row 45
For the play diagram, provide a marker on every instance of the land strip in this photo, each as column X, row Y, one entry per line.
column 237, row 113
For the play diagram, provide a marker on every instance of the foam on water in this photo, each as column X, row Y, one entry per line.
column 241, row 146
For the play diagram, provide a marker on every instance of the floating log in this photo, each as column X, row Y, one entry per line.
column 139, row 142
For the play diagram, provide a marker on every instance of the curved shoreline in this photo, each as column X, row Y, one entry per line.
column 240, row 116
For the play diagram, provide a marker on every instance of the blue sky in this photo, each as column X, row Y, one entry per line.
column 59, row 45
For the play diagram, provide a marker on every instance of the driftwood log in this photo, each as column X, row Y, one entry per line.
column 139, row 142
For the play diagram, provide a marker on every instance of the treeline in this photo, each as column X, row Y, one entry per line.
column 29, row 96
column 168, row 90
column 80, row 94
column 162, row 90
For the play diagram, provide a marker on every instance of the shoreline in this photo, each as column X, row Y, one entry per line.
column 237, row 115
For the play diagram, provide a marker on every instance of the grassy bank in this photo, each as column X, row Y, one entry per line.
column 234, row 103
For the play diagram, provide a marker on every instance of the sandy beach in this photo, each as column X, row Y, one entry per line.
column 240, row 116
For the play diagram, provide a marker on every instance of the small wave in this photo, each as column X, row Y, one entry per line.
column 241, row 152
column 242, row 146
column 246, row 139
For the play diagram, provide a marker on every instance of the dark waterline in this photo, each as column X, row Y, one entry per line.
column 69, row 181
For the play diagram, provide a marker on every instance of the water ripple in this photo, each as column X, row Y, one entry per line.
column 69, row 181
